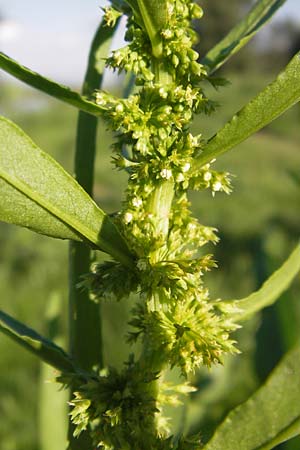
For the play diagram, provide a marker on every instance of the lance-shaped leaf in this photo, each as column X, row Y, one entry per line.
column 245, row 30
column 271, row 290
column 46, row 350
column 48, row 86
column 154, row 15
column 270, row 416
column 276, row 98
column 37, row 193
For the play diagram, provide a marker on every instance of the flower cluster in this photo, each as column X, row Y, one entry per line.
column 121, row 409
column 109, row 280
column 180, row 322
column 179, row 38
column 155, row 146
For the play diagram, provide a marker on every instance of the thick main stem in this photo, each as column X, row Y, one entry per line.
column 159, row 205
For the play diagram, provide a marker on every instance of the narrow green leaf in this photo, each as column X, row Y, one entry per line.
column 270, row 416
column 276, row 98
column 271, row 290
column 46, row 350
column 50, row 87
column 37, row 193
column 154, row 15
column 290, row 432
column 245, row 30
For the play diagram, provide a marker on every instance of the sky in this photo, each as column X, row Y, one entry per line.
column 53, row 37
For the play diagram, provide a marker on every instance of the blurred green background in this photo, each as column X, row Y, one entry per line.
column 258, row 225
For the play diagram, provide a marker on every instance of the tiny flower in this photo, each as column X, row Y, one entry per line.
column 163, row 93
column 186, row 167
column 192, row 226
column 166, row 173
column 111, row 15
column 217, row 186
column 118, row 57
column 119, row 108
column 167, row 33
column 100, row 100
column 207, row 176
column 137, row 202
column 128, row 216
column 194, row 140
column 180, row 178
column 141, row 146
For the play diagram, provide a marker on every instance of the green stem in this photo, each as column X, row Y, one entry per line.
column 159, row 205
column 84, row 315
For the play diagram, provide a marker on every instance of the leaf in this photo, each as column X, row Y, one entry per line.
column 50, row 87
column 245, row 30
column 276, row 98
column 270, row 416
column 271, row 290
column 46, row 350
column 154, row 15
column 37, row 193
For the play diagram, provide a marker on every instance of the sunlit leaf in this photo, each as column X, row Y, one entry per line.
column 270, row 416
column 37, row 193
column 245, row 30
column 276, row 98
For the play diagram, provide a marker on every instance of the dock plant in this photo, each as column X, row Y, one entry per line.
column 156, row 250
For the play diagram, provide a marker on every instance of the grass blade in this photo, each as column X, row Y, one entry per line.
column 245, row 30
column 46, row 350
column 36, row 192
column 48, row 86
column 270, row 416
column 274, row 100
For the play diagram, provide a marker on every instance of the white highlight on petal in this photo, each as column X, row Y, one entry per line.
column 166, row 173
column 128, row 217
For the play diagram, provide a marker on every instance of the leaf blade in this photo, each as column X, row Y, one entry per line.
column 272, row 288
column 48, row 86
column 45, row 349
column 36, row 192
column 270, row 103
column 239, row 36
column 270, row 416
column 154, row 15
